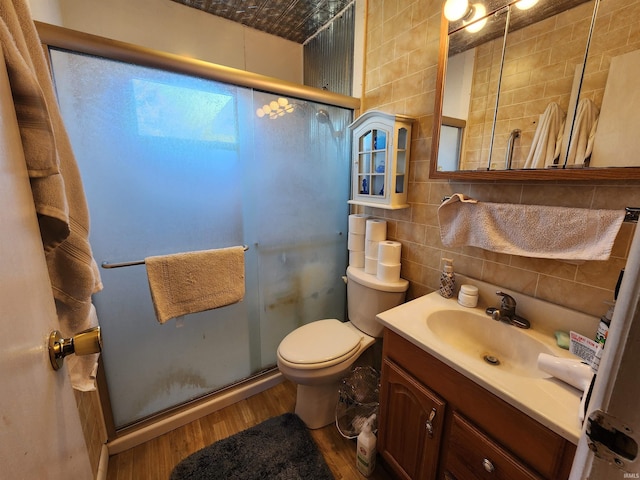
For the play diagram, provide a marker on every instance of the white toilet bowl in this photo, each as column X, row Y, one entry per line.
column 317, row 356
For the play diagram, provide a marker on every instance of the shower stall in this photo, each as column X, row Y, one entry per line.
column 174, row 161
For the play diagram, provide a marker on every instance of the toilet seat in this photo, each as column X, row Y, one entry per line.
column 319, row 344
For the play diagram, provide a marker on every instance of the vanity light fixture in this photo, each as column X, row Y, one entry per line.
column 456, row 9
column 475, row 24
column 526, row 4
column 470, row 14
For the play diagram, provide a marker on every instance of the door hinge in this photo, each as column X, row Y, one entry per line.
column 611, row 440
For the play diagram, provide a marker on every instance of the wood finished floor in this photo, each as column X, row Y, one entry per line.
column 155, row 459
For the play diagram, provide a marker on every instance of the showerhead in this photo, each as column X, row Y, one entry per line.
column 323, row 117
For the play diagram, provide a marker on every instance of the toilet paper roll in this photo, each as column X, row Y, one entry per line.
column 356, row 259
column 355, row 243
column 388, row 273
column 389, row 252
column 376, row 229
column 358, row 223
column 370, row 265
column 371, row 248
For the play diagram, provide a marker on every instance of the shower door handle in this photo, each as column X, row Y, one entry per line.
column 83, row 343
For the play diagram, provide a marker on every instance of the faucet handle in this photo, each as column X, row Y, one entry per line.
column 508, row 302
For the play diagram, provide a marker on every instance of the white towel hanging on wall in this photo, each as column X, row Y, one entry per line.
column 529, row 230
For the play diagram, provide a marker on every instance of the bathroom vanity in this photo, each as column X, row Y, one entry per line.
column 446, row 413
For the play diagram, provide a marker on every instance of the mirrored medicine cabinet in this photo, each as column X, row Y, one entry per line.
column 550, row 92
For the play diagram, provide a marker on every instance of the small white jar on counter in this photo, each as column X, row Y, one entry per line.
column 468, row 296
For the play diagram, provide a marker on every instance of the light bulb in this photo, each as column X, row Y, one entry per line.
column 266, row 108
column 274, row 105
column 260, row 113
column 283, row 102
column 526, row 4
column 455, row 9
column 289, row 109
column 479, row 12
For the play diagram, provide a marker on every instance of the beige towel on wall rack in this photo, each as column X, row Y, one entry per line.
column 193, row 282
column 537, row 231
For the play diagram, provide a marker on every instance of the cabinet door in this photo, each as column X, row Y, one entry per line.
column 411, row 421
column 471, row 455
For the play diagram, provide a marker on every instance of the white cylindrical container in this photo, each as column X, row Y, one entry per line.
column 388, row 273
column 355, row 243
column 468, row 296
column 370, row 265
column 376, row 230
column 569, row 370
column 358, row 223
column 356, row 259
column 366, row 448
column 389, row 252
column 371, row 248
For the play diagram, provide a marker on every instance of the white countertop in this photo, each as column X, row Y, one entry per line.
column 548, row 400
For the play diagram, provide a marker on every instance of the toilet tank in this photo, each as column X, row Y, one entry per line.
column 367, row 296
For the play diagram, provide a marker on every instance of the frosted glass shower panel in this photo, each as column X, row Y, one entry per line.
column 173, row 163
column 158, row 153
column 301, row 232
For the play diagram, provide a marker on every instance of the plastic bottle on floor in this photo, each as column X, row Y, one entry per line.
column 366, row 448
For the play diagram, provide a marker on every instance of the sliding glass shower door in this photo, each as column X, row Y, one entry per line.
column 173, row 163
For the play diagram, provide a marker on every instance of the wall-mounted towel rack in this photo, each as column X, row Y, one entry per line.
column 137, row 262
column 631, row 213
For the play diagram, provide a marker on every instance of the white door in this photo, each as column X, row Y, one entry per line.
column 40, row 431
column 616, row 393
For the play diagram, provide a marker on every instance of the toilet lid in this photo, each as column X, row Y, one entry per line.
column 319, row 341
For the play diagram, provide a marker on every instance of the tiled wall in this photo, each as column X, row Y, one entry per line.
column 401, row 60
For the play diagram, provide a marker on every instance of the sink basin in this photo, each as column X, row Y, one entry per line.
column 479, row 337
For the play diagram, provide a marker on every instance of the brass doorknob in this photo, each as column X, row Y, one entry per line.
column 83, row 343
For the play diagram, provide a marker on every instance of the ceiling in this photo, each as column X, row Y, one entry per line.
column 295, row 20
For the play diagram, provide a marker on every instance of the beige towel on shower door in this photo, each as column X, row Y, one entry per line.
column 193, row 282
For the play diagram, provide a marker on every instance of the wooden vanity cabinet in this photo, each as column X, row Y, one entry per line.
column 471, row 425
column 413, row 429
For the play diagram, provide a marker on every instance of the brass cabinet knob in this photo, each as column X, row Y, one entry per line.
column 488, row 466
column 83, row 343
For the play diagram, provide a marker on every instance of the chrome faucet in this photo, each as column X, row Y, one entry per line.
column 507, row 312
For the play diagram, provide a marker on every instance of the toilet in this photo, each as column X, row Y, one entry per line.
column 316, row 356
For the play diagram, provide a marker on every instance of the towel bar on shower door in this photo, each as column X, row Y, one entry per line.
column 137, row 262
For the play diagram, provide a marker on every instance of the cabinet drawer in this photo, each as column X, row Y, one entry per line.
column 472, row 455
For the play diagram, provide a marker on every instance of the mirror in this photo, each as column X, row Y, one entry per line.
column 517, row 116
column 610, row 85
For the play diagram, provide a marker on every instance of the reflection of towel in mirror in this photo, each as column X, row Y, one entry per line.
column 584, row 132
column 545, row 146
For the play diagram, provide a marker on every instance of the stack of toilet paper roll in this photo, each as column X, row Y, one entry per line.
column 369, row 248
column 376, row 232
column 388, row 267
column 356, row 242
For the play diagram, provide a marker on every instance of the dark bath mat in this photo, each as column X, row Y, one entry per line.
column 280, row 448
